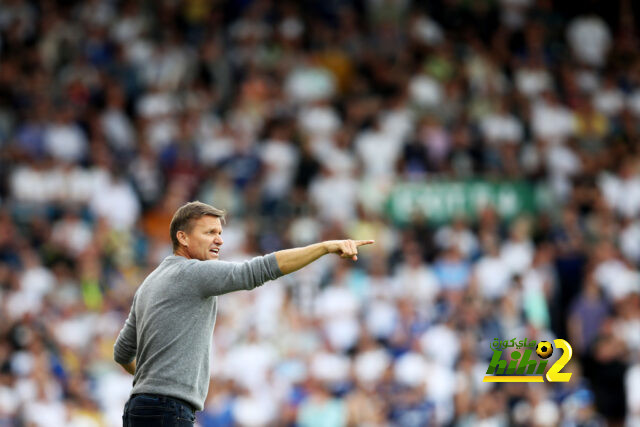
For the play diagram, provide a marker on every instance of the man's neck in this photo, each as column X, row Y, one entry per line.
column 181, row 252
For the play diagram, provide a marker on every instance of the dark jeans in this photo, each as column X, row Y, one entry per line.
column 154, row 410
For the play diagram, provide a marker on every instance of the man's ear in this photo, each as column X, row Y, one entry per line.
column 182, row 238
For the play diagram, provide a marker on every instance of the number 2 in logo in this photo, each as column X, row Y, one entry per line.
column 554, row 374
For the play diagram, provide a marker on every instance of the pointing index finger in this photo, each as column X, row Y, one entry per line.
column 363, row 242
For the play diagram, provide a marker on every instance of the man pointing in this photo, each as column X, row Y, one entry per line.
column 166, row 340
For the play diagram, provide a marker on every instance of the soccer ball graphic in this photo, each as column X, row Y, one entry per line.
column 544, row 349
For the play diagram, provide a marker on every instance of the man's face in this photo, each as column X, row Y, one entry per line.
column 204, row 240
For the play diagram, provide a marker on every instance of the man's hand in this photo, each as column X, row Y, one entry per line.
column 290, row 260
column 130, row 367
column 346, row 248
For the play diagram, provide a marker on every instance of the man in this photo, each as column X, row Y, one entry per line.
column 166, row 340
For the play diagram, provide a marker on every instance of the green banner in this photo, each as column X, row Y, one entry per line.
column 440, row 201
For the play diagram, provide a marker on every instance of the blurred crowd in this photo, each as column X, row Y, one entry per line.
column 299, row 118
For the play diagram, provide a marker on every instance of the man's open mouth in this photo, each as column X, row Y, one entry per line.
column 215, row 251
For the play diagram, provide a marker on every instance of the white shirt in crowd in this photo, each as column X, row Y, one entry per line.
column 307, row 84
column 629, row 241
column 280, row 159
column 65, row 141
column 552, row 122
column 425, row 91
column 399, row 123
column 118, row 129
column 616, row 280
column 319, row 121
column 441, row 344
column 532, row 81
column 562, row 163
column 610, row 100
column 633, row 102
column 427, row 31
column 623, row 195
column 338, row 308
column 417, row 281
column 339, row 160
column 514, row 12
column 249, row 364
column 70, row 185
column 632, row 388
column 493, row 276
column 497, row 127
column 517, row 255
column 118, row 203
column 590, row 39
column 334, row 197
column 464, row 239
column 378, row 152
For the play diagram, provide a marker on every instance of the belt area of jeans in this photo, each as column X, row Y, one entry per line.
column 162, row 396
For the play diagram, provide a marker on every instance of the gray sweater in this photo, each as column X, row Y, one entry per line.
column 171, row 321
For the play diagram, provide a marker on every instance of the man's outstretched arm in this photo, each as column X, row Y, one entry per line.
column 215, row 277
column 290, row 260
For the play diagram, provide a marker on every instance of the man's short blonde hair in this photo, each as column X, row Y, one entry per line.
column 183, row 218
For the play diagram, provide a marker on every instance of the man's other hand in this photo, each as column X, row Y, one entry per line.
column 130, row 367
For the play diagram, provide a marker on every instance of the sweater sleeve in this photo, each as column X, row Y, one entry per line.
column 124, row 350
column 216, row 277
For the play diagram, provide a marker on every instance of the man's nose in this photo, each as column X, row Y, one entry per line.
column 219, row 241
